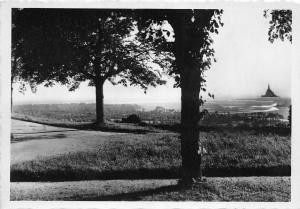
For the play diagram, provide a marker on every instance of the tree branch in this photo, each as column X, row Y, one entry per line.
column 88, row 75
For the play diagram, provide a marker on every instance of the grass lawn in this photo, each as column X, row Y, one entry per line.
column 155, row 156
column 214, row 189
column 132, row 156
column 95, row 165
column 256, row 189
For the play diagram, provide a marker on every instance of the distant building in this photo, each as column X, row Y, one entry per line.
column 159, row 109
column 269, row 93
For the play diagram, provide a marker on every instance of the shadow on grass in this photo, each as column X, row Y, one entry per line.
column 71, row 174
column 44, row 132
column 90, row 174
column 15, row 139
column 92, row 126
column 265, row 130
column 134, row 196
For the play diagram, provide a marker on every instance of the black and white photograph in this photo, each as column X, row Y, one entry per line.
column 150, row 104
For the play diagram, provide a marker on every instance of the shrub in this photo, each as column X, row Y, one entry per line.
column 131, row 119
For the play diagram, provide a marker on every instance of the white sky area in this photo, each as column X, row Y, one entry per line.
column 246, row 63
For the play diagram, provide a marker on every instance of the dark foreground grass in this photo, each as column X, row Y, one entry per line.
column 214, row 189
column 157, row 155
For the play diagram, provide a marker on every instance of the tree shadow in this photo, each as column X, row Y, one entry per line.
column 59, row 175
column 44, row 132
column 264, row 130
column 69, row 174
column 134, row 196
column 15, row 139
column 117, row 128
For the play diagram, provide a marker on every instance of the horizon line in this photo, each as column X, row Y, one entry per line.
column 92, row 101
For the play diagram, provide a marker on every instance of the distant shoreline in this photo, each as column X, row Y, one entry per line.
column 238, row 105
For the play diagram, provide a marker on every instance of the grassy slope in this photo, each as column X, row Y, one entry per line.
column 214, row 189
column 239, row 150
column 157, row 155
column 126, row 156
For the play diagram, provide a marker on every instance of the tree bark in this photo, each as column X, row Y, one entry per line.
column 191, row 159
column 11, row 98
column 99, row 102
column 190, row 89
column 13, row 72
column 11, row 103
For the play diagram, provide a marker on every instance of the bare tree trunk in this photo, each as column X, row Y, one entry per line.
column 99, row 102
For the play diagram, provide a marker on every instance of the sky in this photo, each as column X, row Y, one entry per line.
column 246, row 63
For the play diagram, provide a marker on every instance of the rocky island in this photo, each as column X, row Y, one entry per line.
column 269, row 93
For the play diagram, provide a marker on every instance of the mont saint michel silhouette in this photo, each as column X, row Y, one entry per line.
column 269, row 93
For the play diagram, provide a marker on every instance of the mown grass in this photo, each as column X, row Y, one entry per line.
column 246, row 149
column 213, row 189
column 132, row 156
column 256, row 189
column 157, row 155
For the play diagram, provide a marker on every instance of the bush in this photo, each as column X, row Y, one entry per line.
column 131, row 119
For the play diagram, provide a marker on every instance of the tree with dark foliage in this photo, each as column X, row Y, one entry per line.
column 280, row 24
column 17, row 62
column 71, row 46
column 193, row 55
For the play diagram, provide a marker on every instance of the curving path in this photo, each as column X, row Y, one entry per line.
column 32, row 140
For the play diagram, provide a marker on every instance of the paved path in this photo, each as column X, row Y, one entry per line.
column 32, row 140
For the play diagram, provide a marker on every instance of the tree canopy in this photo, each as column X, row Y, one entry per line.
column 70, row 46
column 280, row 24
column 203, row 23
column 67, row 45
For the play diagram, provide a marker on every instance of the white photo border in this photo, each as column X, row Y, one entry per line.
column 5, row 26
